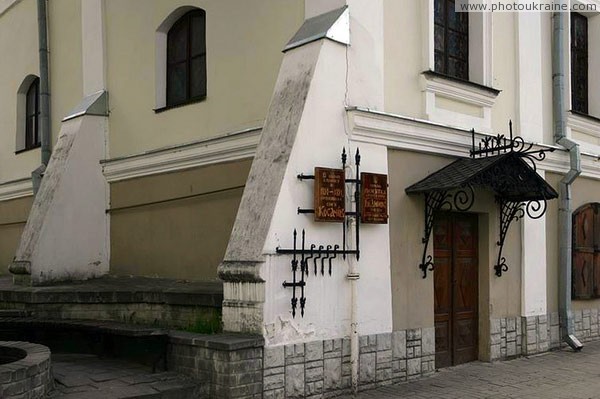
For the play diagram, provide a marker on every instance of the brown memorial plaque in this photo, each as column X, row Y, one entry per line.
column 374, row 198
column 330, row 195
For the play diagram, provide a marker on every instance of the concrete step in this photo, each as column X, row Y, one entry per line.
column 92, row 377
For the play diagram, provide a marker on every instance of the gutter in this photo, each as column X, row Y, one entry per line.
column 44, row 118
column 565, row 213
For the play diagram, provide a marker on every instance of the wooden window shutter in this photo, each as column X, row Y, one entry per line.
column 584, row 251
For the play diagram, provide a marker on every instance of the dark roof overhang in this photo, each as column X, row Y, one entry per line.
column 510, row 176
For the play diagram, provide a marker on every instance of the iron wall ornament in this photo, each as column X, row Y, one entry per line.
column 436, row 201
column 500, row 144
column 513, row 211
column 322, row 255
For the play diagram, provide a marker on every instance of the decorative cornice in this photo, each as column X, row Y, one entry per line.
column 229, row 147
column 16, row 189
column 405, row 133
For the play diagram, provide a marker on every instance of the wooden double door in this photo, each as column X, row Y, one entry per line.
column 456, row 288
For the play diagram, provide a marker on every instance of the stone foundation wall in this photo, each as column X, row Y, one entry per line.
column 517, row 336
column 586, row 324
column 505, row 338
column 324, row 368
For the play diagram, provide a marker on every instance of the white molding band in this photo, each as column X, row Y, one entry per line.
column 405, row 133
column 16, row 189
column 226, row 148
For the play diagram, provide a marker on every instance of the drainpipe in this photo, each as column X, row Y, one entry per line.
column 353, row 276
column 44, row 118
column 564, row 208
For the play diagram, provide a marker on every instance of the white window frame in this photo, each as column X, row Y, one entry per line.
column 585, row 130
column 480, row 72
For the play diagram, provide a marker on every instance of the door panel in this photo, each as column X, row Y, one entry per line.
column 456, row 288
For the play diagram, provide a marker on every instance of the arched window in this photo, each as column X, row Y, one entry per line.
column 28, row 113
column 186, row 59
column 32, row 112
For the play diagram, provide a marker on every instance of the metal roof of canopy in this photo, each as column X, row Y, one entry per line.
column 508, row 175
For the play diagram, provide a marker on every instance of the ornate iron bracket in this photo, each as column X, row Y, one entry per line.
column 513, row 211
column 436, row 201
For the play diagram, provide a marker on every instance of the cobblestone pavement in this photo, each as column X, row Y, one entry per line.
column 87, row 376
column 560, row 374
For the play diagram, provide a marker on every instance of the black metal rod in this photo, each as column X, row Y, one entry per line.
column 303, row 210
column 302, row 176
column 298, row 284
column 472, row 143
column 357, row 202
column 303, row 267
column 294, row 267
column 286, row 251
column 344, row 156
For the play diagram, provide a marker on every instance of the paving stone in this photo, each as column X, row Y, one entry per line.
column 551, row 375
column 79, row 377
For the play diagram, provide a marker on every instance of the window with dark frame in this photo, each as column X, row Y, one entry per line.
column 186, row 59
column 32, row 113
column 451, row 37
column 586, row 252
column 579, row 63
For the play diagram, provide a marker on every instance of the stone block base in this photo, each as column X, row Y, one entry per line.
column 324, row 368
column 518, row 336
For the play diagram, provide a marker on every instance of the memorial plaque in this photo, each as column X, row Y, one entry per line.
column 374, row 198
column 330, row 195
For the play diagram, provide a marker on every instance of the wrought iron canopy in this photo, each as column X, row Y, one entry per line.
column 507, row 175
column 504, row 165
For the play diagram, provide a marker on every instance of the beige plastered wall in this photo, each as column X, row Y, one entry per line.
column 405, row 43
column 19, row 42
column 584, row 191
column 244, row 40
column 13, row 215
column 66, row 77
column 184, row 238
column 412, row 296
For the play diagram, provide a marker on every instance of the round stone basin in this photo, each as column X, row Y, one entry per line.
column 24, row 370
column 10, row 354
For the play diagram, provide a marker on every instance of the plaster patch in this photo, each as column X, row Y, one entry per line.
column 284, row 330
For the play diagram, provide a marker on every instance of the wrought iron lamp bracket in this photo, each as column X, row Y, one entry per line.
column 435, row 201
